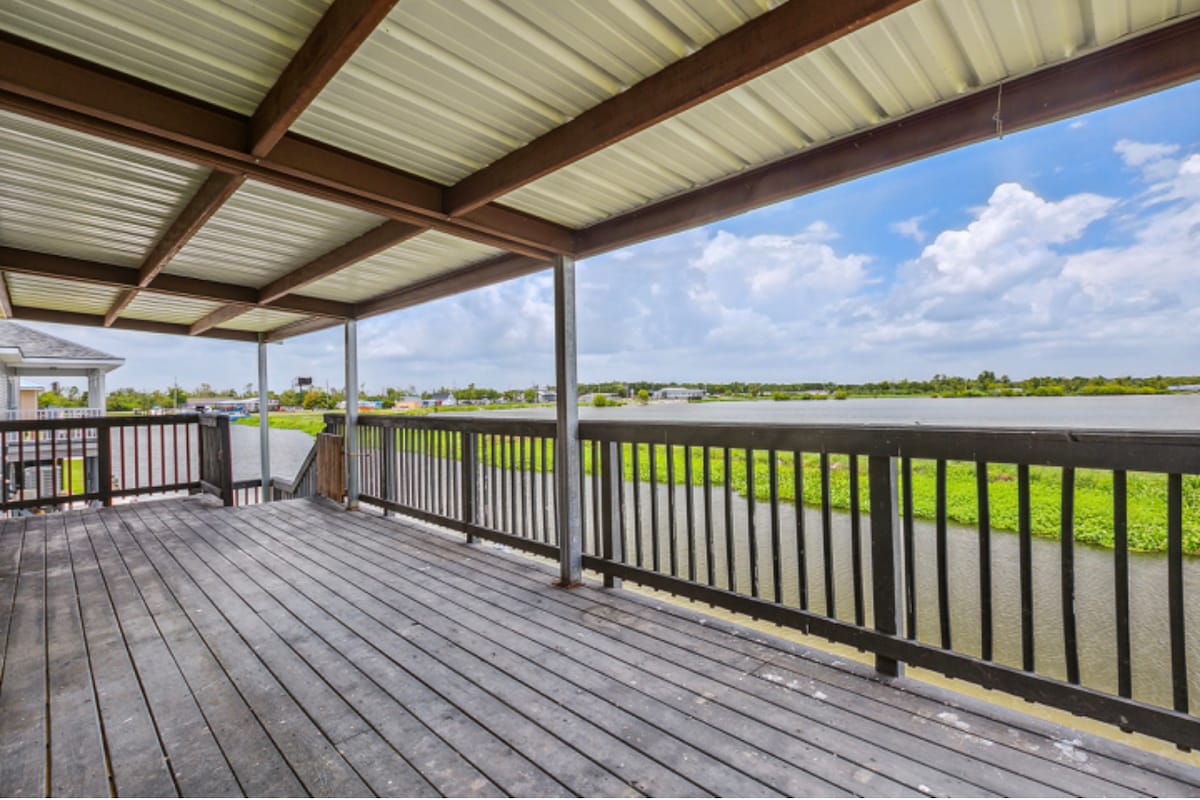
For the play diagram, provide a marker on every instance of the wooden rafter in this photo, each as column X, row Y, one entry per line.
column 763, row 43
column 343, row 27
column 298, row 328
column 217, row 317
column 63, row 90
column 6, row 305
column 47, row 265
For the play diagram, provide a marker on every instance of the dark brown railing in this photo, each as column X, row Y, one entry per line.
column 56, row 464
column 699, row 511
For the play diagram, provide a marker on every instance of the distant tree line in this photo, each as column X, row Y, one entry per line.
column 985, row 384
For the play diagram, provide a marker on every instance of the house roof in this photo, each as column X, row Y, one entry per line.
column 317, row 161
column 20, row 346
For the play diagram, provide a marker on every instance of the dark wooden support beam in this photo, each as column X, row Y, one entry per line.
column 1153, row 61
column 218, row 317
column 125, row 324
column 344, row 26
column 762, row 44
column 299, row 328
column 6, row 306
column 47, row 265
column 484, row 273
column 60, row 89
column 370, row 243
column 218, row 188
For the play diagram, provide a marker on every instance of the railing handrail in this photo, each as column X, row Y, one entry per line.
column 1100, row 448
column 75, row 423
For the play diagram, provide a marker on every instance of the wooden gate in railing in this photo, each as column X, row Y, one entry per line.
column 216, row 457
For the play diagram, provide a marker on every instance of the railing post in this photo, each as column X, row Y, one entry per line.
column 225, row 452
column 887, row 563
column 612, row 545
column 351, row 430
column 104, row 471
column 467, row 461
column 388, row 454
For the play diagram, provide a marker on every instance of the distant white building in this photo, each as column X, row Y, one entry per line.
column 547, row 396
column 439, row 399
column 678, row 393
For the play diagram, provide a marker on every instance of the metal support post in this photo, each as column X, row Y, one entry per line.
column 264, row 429
column 566, row 457
column 351, row 434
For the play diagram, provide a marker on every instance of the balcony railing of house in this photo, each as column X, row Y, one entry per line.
column 705, row 512
column 55, row 462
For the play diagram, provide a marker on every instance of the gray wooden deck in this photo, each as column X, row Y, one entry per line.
column 180, row 648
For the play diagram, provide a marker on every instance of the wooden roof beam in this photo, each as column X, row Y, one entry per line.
column 63, row 90
column 1138, row 66
column 28, row 262
column 299, row 328
column 126, row 324
column 762, row 44
column 218, row 317
column 484, row 273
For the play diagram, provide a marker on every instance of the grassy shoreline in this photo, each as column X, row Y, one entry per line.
column 1147, row 497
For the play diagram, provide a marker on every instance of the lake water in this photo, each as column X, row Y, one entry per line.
column 1135, row 412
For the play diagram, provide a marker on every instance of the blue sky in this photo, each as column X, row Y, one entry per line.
column 1069, row 249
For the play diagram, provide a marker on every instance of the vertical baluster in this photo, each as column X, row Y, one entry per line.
column 612, row 541
column 801, row 547
column 709, row 544
column 583, row 498
column 1175, row 599
column 187, row 444
column 730, row 561
column 37, row 459
column 54, row 479
column 985, row 560
column 175, row 448
column 776, row 561
column 672, row 537
column 513, row 489
column 943, row 566
column 523, row 531
column 545, row 494
column 827, row 537
column 637, row 503
column 1067, row 562
column 597, row 499
column 910, row 561
column 1025, row 534
column 856, row 549
column 1121, row 580
column 655, row 556
column 137, row 472
column 162, row 455
column 886, row 563
column 751, row 530
column 691, row 512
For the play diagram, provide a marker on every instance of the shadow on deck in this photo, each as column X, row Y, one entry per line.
column 182, row 648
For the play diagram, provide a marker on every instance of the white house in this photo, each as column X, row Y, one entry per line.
column 678, row 393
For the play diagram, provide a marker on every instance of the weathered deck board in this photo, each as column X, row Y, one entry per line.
column 295, row 648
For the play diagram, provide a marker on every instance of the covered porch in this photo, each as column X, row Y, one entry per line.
column 183, row 647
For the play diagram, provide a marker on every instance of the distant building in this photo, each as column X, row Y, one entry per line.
column 439, row 399
column 1186, row 387
column 547, row 395
column 407, row 403
column 678, row 393
column 228, row 405
column 25, row 352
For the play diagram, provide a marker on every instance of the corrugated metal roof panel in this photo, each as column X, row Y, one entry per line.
column 261, row 319
column 229, row 54
column 417, row 259
column 59, row 295
column 168, row 308
column 927, row 54
column 264, row 232
column 75, row 195
column 442, row 89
